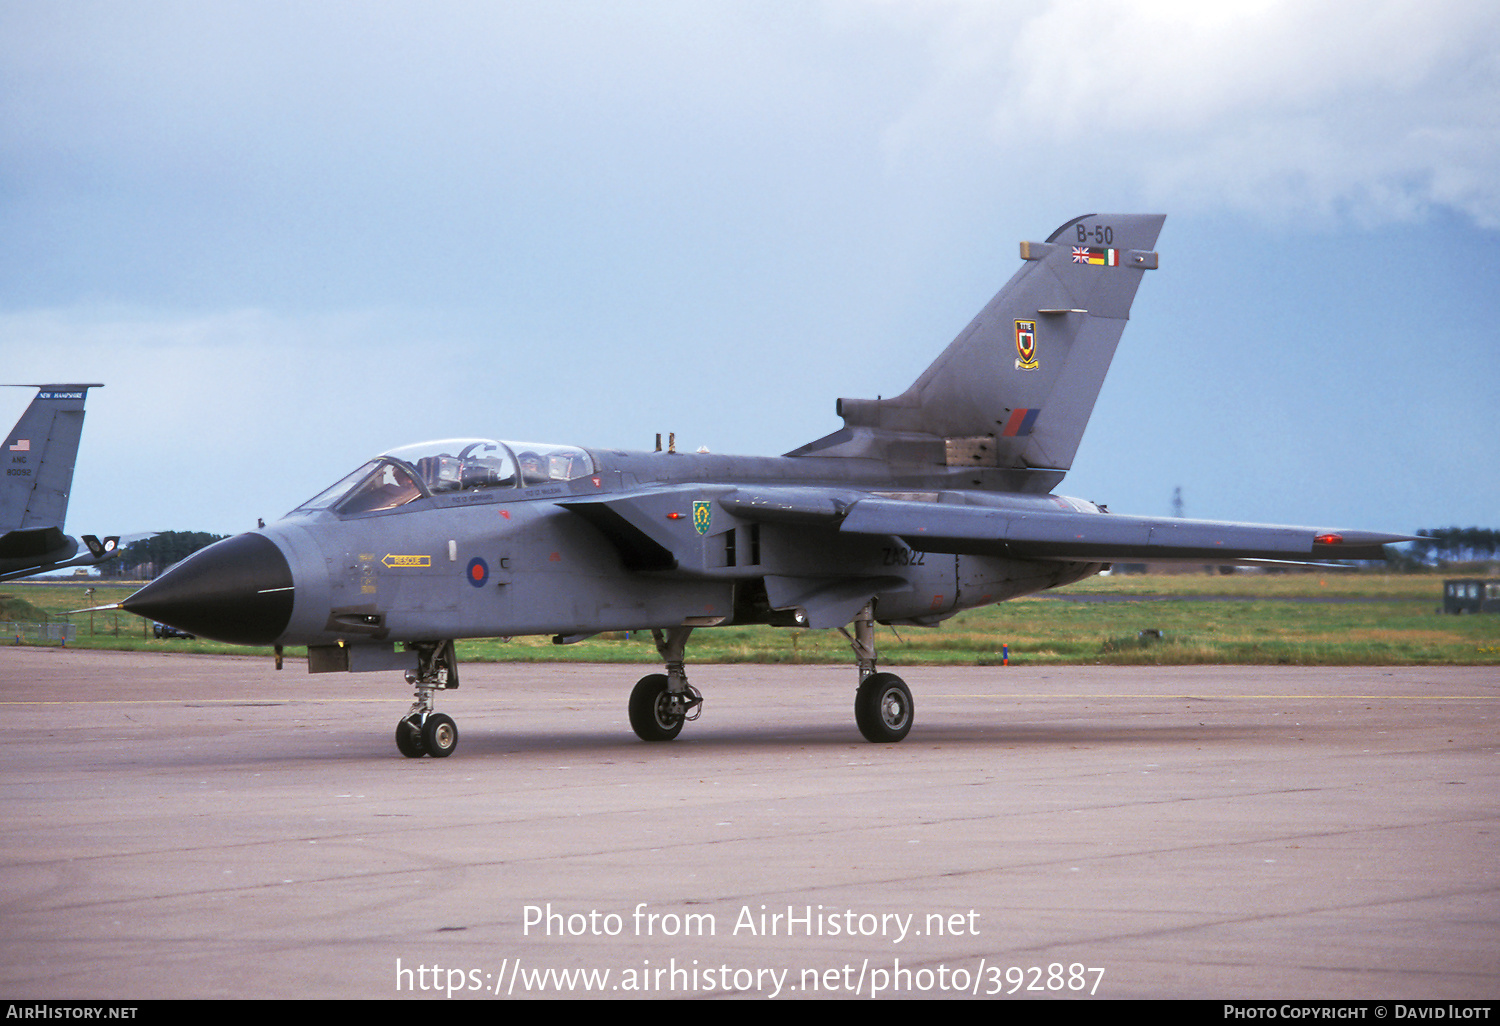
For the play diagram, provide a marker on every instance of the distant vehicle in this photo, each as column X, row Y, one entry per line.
column 1471, row 595
column 163, row 630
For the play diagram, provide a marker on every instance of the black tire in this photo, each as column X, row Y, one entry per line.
column 409, row 738
column 883, row 708
column 649, row 715
column 439, row 735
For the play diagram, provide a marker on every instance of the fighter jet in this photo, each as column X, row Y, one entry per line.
column 39, row 456
column 922, row 505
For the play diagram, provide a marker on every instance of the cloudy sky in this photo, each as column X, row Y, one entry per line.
column 287, row 236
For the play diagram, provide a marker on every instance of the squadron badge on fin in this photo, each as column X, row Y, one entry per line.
column 1026, row 345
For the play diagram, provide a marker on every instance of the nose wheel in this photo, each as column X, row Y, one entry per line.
column 436, row 736
column 409, row 737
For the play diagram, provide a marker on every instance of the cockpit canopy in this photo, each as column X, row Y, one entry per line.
column 455, row 465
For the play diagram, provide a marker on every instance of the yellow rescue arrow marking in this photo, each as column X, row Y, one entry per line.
column 394, row 561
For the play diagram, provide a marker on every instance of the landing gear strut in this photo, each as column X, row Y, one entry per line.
column 422, row 731
column 883, row 708
column 662, row 702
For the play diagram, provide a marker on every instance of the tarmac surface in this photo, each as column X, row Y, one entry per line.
column 201, row 827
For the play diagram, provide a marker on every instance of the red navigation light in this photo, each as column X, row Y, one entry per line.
column 1329, row 539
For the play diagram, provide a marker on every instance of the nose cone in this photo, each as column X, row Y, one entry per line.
column 237, row 590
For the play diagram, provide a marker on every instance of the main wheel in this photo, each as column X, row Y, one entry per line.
column 651, row 714
column 409, row 738
column 439, row 735
column 883, row 708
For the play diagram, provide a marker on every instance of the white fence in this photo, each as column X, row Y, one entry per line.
column 36, row 633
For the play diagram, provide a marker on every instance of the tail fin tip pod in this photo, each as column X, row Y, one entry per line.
column 1014, row 391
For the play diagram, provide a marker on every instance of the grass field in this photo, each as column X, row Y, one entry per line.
column 1336, row 619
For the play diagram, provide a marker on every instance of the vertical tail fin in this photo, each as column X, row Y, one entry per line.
column 38, row 455
column 1015, row 389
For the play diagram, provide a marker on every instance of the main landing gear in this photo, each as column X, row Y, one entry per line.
column 422, row 731
column 883, row 708
column 662, row 702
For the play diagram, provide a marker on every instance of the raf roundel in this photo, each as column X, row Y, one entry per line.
column 478, row 572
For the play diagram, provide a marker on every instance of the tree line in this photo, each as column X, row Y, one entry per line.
column 1437, row 545
column 145, row 559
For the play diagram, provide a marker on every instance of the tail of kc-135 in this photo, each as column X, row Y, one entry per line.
column 39, row 455
column 1013, row 392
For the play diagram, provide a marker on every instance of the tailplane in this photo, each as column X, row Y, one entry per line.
column 1014, row 391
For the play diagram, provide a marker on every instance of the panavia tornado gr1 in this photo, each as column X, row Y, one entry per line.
column 933, row 501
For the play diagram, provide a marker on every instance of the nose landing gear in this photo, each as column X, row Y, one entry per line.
column 422, row 731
